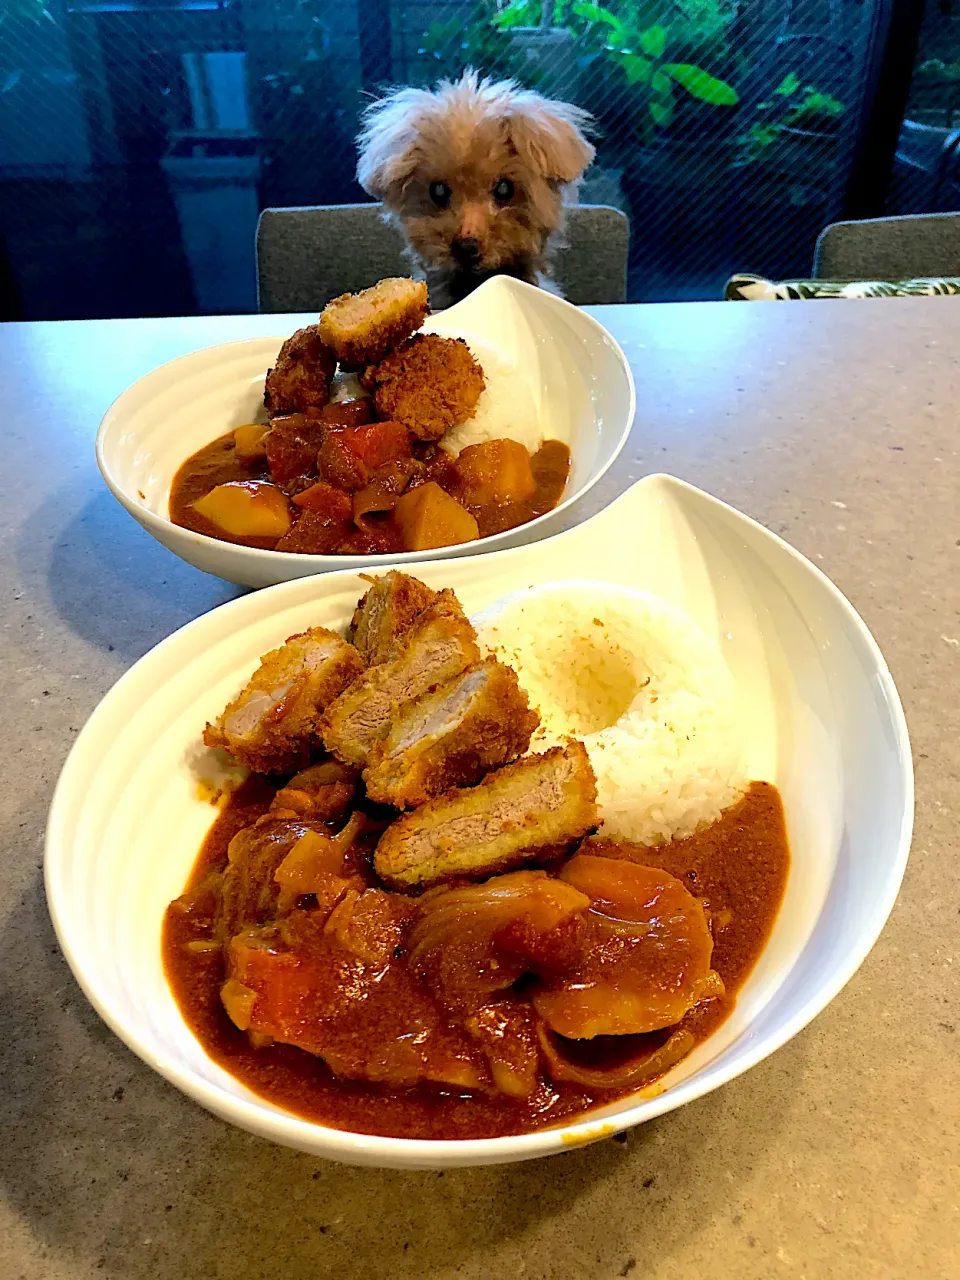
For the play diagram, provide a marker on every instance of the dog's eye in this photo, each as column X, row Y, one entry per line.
column 503, row 191
column 440, row 194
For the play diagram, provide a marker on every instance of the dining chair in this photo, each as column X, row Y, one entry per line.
column 901, row 248
column 305, row 256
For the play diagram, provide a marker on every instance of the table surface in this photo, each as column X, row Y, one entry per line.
column 833, row 423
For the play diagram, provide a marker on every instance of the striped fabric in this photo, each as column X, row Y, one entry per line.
column 747, row 288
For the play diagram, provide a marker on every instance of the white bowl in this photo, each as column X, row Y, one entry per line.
column 823, row 721
column 579, row 378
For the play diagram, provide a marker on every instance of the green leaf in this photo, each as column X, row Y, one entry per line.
column 636, row 68
column 789, row 84
column 662, row 112
column 701, row 84
column 653, row 41
column 661, row 83
column 764, row 134
column 518, row 13
column 822, row 102
column 597, row 13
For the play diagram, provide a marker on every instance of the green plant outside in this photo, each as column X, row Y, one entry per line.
column 644, row 44
column 793, row 105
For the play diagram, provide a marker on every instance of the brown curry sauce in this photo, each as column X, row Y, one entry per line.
column 217, row 463
column 738, row 867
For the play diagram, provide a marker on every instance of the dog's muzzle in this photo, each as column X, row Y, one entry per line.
column 466, row 253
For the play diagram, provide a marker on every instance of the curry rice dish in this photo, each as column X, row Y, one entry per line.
column 405, row 922
column 357, row 457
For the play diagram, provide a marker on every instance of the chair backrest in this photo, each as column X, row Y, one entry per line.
column 924, row 244
column 308, row 255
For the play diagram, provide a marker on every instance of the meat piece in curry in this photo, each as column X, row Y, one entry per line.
column 437, row 646
column 428, row 383
column 540, row 803
column 477, row 721
column 387, row 609
column 361, row 328
column 300, row 379
column 322, row 793
column 324, row 982
column 272, row 724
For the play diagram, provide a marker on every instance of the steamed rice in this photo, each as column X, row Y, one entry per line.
column 640, row 685
column 506, row 408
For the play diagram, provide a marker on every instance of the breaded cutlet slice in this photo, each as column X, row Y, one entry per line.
column 300, row 380
column 363, row 327
column 386, row 611
column 526, row 808
column 429, row 383
column 474, row 723
column 271, row 726
column 438, row 645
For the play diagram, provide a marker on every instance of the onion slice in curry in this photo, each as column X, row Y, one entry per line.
column 648, row 1065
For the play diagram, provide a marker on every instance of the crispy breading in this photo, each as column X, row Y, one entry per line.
column 437, row 646
column 387, row 609
column 452, row 737
column 364, row 327
column 429, row 384
column 300, row 380
column 514, row 815
column 271, row 726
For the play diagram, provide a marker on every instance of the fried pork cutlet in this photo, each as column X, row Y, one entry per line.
column 364, row 327
column 387, row 609
column 526, row 808
column 429, row 383
column 436, row 647
column 474, row 723
column 271, row 726
column 300, row 380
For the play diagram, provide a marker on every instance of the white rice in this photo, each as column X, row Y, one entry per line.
column 506, row 408
column 641, row 686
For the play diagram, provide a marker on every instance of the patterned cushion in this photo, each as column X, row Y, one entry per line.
column 746, row 288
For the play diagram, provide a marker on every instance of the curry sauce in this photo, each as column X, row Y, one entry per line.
column 737, row 867
column 219, row 463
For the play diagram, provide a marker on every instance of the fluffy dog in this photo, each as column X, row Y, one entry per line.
column 473, row 175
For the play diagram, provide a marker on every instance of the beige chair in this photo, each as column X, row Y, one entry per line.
column 925, row 244
column 307, row 256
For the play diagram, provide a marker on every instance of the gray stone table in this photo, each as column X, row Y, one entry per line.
column 837, row 424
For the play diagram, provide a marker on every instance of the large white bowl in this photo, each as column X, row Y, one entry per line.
column 822, row 717
column 579, row 378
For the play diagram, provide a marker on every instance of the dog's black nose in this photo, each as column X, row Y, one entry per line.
column 466, row 252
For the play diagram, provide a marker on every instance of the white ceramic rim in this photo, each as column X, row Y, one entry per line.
column 410, row 1152
column 300, row 561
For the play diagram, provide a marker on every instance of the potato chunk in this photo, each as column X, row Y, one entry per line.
column 250, row 440
column 429, row 517
column 495, row 471
column 247, row 509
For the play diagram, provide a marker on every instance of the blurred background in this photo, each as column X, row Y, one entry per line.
column 140, row 138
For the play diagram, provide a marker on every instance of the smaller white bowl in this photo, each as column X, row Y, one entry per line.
column 578, row 376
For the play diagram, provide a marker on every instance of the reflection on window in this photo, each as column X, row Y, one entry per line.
column 140, row 138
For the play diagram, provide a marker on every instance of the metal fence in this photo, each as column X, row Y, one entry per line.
column 138, row 140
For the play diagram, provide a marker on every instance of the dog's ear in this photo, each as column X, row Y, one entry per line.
column 388, row 143
column 549, row 136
